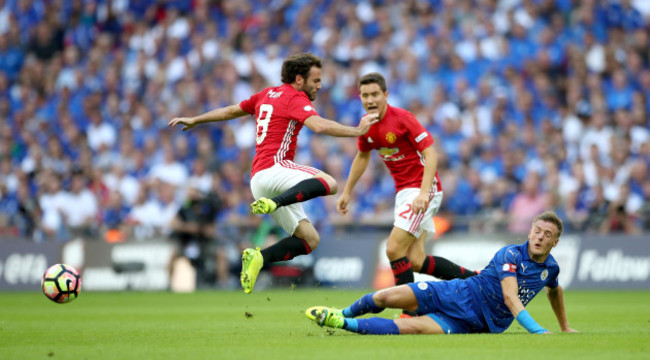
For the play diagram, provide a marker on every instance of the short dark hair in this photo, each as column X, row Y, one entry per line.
column 551, row 217
column 299, row 64
column 373, row 78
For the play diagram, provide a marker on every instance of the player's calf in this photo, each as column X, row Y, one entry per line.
column 303, row 191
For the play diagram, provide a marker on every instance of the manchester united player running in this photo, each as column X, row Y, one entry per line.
column 278, row 184
column 406, row 148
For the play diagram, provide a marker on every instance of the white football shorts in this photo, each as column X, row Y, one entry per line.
column 276, row 180
column 407, row 220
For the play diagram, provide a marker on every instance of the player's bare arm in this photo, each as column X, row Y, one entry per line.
column 511, row 299
column 358, row 167
column 321, row 125
column 510, row 295
column 220, row 114
column 421, row 202
column 556, row 298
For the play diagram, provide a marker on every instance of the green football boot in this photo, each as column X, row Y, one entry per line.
column 263, row 206
column 251, row 263
column 325, row 316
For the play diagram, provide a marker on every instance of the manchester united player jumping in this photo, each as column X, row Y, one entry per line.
column 406, row 148
column 277, row 183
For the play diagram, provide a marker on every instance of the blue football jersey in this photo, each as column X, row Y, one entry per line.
column 512, row 260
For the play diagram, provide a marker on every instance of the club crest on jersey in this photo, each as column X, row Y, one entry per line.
column 510, row 268
column 544, row 274
column 370, row 140
column 422, row 285
column 308, row 108
column 390, row 137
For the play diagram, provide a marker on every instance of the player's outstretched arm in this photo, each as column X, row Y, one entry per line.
column 321, row 125
column 511, row 298
column 220, row 114
column 556, row 298
column 358, row 167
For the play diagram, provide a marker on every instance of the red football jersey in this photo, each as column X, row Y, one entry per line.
column 398, row 138
column 280, row 113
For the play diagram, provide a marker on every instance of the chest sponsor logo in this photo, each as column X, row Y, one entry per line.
column 387, row 151
column 391, row 138
column 274, row 95
column 544, row 274
column 308, row 108
column 390, row 154
column 510, row 268
column 526, row 294
column 421, row 137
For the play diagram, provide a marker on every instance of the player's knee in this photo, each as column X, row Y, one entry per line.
column 380, row 298
column 331, row 183
column 386, row 298
column 313, row 241
column 334, row 187
column 394, row 250
column 307, row 232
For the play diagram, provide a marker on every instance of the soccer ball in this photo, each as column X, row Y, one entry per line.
column 61, row 283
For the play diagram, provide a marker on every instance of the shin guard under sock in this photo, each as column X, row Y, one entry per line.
column 372, row 326
column 303, row 191
column 285, row 249
column 362, row 306
column 444, row 269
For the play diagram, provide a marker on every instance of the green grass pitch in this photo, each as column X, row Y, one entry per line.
column 271, row 325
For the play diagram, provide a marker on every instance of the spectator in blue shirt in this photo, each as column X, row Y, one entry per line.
column 619, row 94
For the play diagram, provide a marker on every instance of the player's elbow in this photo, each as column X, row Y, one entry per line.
column 553, row 293
column 319, row 127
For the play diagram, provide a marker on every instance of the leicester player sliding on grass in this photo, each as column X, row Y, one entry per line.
column 486, row 303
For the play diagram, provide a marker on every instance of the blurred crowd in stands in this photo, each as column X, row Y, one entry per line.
column 534, row 104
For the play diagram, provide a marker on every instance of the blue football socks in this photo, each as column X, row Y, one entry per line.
column 362, row 306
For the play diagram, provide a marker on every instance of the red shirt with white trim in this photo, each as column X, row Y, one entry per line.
column 398, row 138
column 280, row 113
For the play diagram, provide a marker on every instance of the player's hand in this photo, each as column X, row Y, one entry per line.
column 366, row 121
column 342, row 203
column 420, row 203
column 188, row 122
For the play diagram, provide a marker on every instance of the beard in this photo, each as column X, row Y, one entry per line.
column 310, row 92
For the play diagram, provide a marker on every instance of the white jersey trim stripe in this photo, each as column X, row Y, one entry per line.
column 286, row 141
column 416, row 222
column 291, row 165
